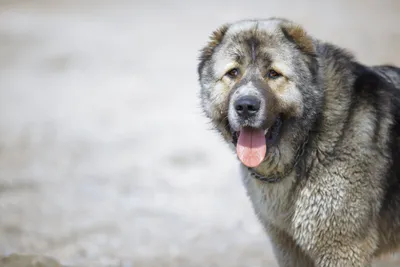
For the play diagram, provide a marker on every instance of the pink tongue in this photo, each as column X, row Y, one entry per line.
column 251, row 147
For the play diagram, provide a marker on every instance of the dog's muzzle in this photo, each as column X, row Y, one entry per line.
column 253, row 123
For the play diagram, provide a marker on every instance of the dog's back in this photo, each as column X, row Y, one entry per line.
column 389, row 226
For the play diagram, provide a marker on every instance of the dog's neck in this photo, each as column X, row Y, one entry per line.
column 336, row 86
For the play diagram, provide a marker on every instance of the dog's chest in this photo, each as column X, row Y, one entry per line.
column 272, row 202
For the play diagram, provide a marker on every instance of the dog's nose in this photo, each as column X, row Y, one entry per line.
column 247, row 106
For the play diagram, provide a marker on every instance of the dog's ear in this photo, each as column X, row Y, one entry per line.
column 296, row 34
column 215, row 39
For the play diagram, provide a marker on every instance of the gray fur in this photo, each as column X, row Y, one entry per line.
column 337, row 199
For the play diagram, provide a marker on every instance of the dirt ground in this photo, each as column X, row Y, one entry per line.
column 105, row 158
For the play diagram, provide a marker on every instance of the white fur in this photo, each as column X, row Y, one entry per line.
column 271, row 201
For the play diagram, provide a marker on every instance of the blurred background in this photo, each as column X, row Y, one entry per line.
column 105, row 157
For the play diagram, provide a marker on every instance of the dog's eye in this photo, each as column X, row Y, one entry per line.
column 233, row 73
column 272, row 74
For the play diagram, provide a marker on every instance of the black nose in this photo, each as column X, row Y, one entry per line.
column 247, row 106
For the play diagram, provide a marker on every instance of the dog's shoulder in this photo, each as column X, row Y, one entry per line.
column 380, row 86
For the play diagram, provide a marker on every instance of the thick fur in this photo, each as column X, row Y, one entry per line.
column 337, row 201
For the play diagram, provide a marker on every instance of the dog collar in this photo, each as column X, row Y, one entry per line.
column 268, row 179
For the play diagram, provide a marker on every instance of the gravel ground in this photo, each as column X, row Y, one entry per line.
column 105, row 158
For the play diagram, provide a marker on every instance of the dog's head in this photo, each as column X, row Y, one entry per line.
column 258, row 86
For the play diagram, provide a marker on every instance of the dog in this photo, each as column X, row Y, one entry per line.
column 317, row 135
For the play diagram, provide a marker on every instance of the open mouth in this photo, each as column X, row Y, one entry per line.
column 271, row 134
column 251, row 143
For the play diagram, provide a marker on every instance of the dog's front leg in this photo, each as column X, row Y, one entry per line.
column 286, row 251
column 331, row 249
column 336, row 258
column 336, row 224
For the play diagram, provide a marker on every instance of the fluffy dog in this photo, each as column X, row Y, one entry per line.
column 317, row 135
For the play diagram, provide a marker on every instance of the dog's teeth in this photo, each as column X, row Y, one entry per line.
column 265, row 132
